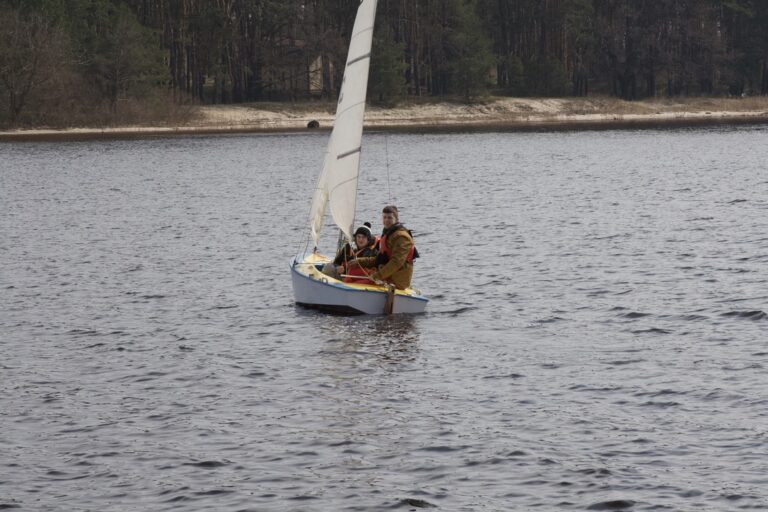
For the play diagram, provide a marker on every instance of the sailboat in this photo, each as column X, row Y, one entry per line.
column 337, row 190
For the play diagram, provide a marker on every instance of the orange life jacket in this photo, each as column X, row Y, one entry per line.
column 384, row 248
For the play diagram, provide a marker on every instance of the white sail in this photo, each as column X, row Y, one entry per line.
column 337, row 184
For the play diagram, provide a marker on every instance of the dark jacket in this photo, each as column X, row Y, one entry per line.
column 347, row 253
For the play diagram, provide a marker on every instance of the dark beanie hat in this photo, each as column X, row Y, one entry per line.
column 365, row 229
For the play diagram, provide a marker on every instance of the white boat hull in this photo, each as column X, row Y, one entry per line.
column 313, row 289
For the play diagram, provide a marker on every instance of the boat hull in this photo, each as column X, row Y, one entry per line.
column 315, row 290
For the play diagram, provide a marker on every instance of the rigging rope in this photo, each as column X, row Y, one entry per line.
column 386, row 151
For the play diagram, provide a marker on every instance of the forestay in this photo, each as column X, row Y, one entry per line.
column 337, row 184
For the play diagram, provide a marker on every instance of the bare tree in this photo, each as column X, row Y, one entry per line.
column 32, row 55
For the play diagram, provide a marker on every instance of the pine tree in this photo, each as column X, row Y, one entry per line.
column 386, row 80
column 468, row 51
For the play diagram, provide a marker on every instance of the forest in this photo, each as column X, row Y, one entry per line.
column 76, row 62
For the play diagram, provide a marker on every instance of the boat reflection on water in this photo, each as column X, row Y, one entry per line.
column 391, row 339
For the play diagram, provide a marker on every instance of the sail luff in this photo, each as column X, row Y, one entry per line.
column 337, row 184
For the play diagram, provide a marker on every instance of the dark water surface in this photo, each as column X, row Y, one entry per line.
column 597, row 337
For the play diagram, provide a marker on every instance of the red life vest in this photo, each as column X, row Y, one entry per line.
column 383, row 247
column 357, row 270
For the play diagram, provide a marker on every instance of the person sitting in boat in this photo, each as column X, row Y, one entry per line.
column 397, row 250
column 366, row 247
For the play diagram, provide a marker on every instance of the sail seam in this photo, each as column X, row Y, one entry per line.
column 349, row 153
column 339, row 185
column 359, row 32
column 358, row 59
column 339, row 114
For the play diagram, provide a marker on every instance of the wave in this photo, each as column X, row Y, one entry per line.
column 652, row 330
column 624, row 362
column 747, row 315
column 635, row 314
column 207, row 464
column 508, row 376
column 612, row 505
column 413, row 502
column 457, row 312
column 550, row 320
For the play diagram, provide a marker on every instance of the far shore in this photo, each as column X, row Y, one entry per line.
column 492, row 114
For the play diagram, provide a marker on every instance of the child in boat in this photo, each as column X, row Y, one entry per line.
column 366, row 246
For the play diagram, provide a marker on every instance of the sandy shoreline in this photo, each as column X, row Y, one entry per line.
column 503, row 114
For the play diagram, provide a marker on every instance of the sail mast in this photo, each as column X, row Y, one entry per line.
column 337, row 184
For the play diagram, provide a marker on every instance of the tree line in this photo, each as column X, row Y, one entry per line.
column 74, row 61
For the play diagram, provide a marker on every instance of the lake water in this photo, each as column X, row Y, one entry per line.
column 597, row 336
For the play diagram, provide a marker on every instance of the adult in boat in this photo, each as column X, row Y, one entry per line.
column 394, row 263
column 366, row 246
